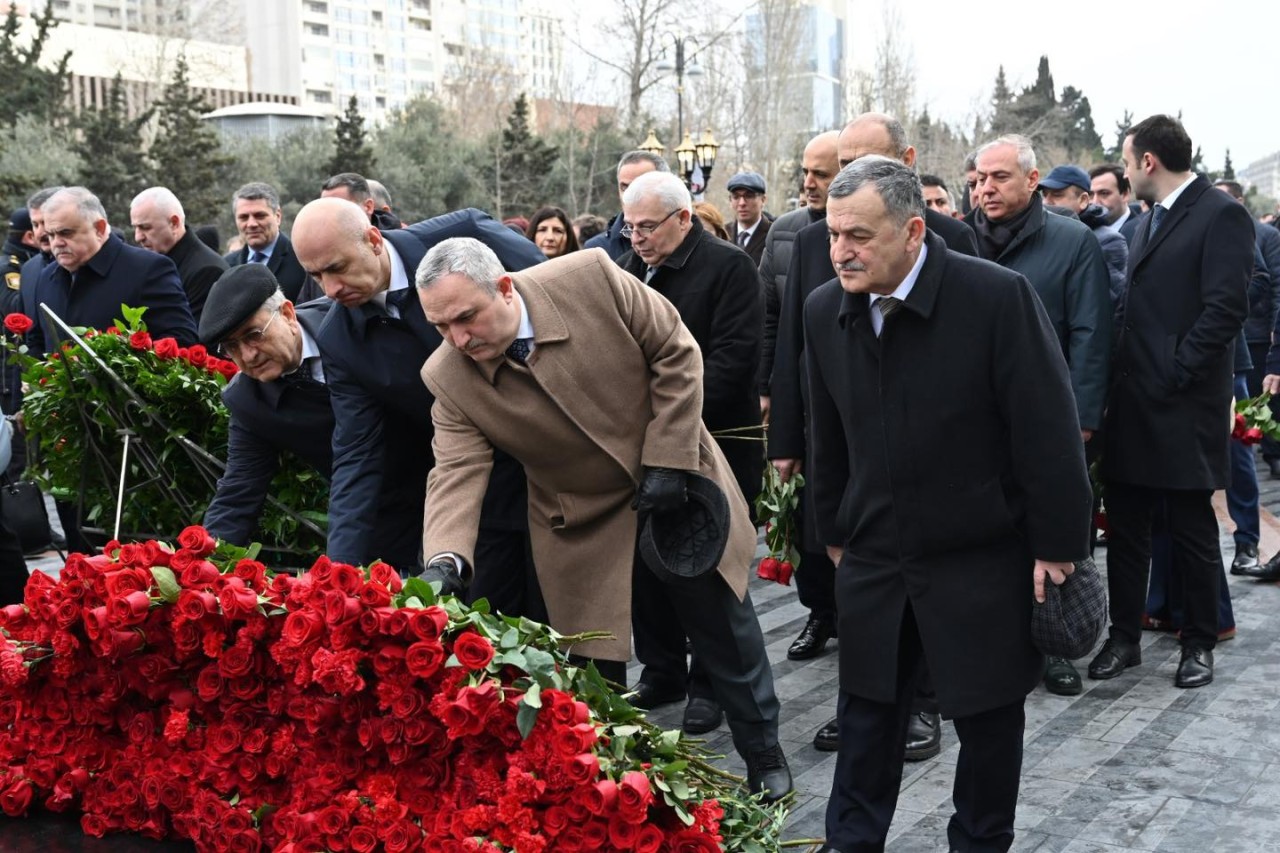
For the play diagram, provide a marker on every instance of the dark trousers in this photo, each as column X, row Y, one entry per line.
column 505, row 577
column 1197, row 562
column 868, row 774
column 726, row 637
column 13, row 567
column 1242, row 493
column 1258, row 355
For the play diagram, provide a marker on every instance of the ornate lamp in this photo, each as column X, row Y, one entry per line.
column 686, row 155
column 652, row 145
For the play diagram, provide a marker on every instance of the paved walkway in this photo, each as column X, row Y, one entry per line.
column 1130, row 764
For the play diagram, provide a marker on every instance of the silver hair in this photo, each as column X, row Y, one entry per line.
column 166, row 202
column 665, row 186
column 970, row 162
column 39, row 197
column 87, row 204
column 379, row 192
column 257, row 191
column 1026, row 152
column 897, row 184
column 658, row 162
column 273, row 302
column 461, row 256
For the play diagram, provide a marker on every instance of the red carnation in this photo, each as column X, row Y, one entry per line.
column 19, row 324
column 473, row 651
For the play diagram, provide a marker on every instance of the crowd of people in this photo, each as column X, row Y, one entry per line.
column 504, row 410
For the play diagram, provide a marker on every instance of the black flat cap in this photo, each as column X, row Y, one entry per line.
column 20, row 220
column 235, row 297
column 1073, row 615
column 688, row 542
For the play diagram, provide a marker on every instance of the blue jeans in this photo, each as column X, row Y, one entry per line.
column 1242, row 494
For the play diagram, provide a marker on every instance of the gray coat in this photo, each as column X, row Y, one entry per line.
column 1062, row 260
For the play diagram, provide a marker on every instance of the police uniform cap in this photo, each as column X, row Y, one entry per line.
column 20, row 221
column 234, row 298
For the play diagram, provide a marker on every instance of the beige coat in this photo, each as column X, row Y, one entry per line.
column 614, row 384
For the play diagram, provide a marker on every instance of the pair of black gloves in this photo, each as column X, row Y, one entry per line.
column 661, row 490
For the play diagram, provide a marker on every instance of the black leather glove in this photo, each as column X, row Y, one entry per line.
column 662, row 490
column 445, row 572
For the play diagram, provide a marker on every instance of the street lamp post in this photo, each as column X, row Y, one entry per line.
column 682, row 65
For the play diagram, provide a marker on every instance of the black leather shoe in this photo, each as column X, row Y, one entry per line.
column 828, row 737
column 827, row 848
column 1061, row 677
column 924, row 736
column 812, row 640
column 1270, row 571
column 1246, row 559
column 768, row 774
column 1274, row 466
column 1116, row 656
column 701, row 716
column 649, row 696
column 1196, row 668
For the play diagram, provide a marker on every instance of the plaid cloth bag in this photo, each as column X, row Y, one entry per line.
column 1069, row 622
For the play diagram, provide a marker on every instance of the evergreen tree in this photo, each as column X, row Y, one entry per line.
column 30, row 87
column 1080, row 137
column 1115, row 153
column 351, row 151
column 1001, row 105
column 1228, row 170
column 426, row 162
column 1197, row 162
column 521, row 161
column 1033, row 111
column 186, row 152
column 109, row 143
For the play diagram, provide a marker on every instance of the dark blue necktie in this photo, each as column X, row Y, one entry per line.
column 257, row 258
column 520, row 349
column 1157, row 217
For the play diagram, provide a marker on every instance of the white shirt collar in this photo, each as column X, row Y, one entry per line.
column 526, row 325
column 399, row 281
column 1167, row 201
column 901, row 292
column 750, row 232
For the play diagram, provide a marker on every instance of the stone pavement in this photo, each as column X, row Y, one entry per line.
column 1131, row 764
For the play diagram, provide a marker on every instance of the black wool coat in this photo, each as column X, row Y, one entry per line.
column 946, row 458
column 198, row 268
column 716, row 289
column 1169, row 409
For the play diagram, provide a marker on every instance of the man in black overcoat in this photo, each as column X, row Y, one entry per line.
column 1167, row 424
column 160, row 226
column 373, row 345
column 949, row 481
column 716, row 290
column 869, row 133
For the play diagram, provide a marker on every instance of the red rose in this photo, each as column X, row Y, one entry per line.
column 424, row 658
column 340, row 609
column 375, row 595
column 768, row 569
column 584, row 767
column 237, row 600
column 693, row 841
column 622, row 834
column 386, row 575
column 649, row 839
column 634, row 796
column 16, row 799
column 198, row 355
column 784, row 572
column 428, row 623
column 196, row 603
column 129, row 609
column 196, row 539
column 1252, row 435
column 228, row 369
column 362, row 839
column 166, row 348
column 19, row 324
column 602, row 796
column 302, row 628
column 472, row 650
column 140, row 341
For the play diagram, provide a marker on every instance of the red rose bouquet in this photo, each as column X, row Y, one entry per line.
column 1254, row 420
column 775, row 509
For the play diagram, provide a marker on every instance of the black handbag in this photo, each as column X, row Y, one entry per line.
column 22, row 506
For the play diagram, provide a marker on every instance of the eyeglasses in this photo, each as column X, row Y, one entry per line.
column 252, row 337
column 646, row 230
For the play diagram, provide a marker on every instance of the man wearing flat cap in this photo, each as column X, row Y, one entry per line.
column 18, row 248
column 750, row 225
column 278, row 401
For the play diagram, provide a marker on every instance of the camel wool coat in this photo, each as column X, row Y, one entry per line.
column 614, row 384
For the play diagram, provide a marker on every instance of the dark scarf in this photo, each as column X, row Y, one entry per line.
column 994, row 237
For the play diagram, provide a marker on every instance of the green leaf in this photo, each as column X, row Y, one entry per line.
column 420, row 589
column 510, row 639
column 526, row 718
column 539, row 663
column 533, row 696
column 165, row 579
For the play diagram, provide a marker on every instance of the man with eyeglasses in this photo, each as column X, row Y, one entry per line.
column 279, row 402
column 715, row 288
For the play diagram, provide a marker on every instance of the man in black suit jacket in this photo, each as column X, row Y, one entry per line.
column 257, row 211
column 1111, row 189
column 870, row 133
column 373, row 345
column 106, row 273
column 278, row 401
column 1167, row 423
column 160, row 226
column 750, row 227
column 949, row 479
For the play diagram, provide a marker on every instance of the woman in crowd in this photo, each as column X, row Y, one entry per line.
column 711, row 218
column 552, row 232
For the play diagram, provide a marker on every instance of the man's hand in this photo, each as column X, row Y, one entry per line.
column 662, row 490
column 764, row 410
column 444, row 571
column 1271, row 383
column 1086, row 434
column 786, row 467
column 1056, row 572
column 18, row 422
column 835, row 552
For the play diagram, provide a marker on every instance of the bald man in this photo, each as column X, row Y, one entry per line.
column 160, row 226
column 372, row 346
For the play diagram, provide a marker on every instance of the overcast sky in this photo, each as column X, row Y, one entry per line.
column 1219, row 67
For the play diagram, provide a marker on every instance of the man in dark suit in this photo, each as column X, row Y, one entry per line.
column 43, row 256
column 105, row 273
column 278, row 401
column 632, row 165
column 372, row 345
column 750, row 226
column 355, row 189
column 160, row 226
column 950, row 483
column 257, row 212
column 1167, row 424
column 869, row 133
column 1111, row 189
